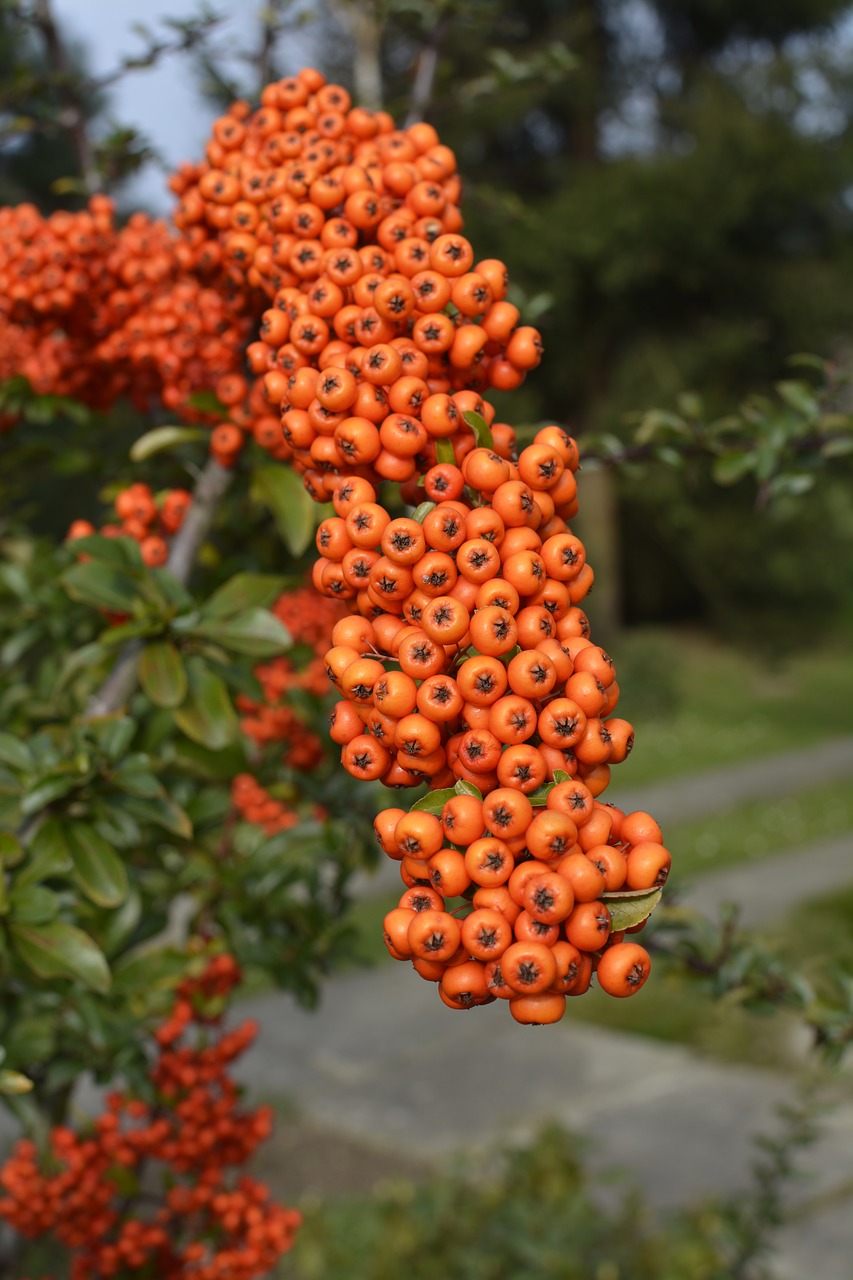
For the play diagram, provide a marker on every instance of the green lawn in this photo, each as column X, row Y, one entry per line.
column 759, row 829
column 695, row 704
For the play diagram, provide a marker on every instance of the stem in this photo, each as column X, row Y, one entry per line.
column 73, row 115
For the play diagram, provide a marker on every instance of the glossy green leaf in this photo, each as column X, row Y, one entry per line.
column 14, row 1082
column 162, row 438
column 481, row 429
column 101, row 586
column 122, row 553
column 257, row 632
column 434, row 801
column 421, row 512
column 97, row 869
column 242, row 592
column 444, row 452
column 464, row 788
column 283, row 493
column 207, row 715
column 48, row 789
column 731, row 467
column 48, row 854
column 60, row 950
column 11, row 849
column 162, row 673
column 33, row 904
column 162, row 812
column 82, row 659
column 15, row 753
column 629, row 907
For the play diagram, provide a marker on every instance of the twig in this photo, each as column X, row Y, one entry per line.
column 422, row 89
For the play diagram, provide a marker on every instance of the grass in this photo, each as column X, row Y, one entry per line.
column 759, row 829
column 696, row 704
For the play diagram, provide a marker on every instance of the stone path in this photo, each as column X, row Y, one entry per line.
column 383, row 1063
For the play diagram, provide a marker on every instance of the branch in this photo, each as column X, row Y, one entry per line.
column 73, row 115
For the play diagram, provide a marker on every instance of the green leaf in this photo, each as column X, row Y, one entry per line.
column 481, row 429
column 799, row 396
column 162, row 673
column 15, row 753
column 14, row 1082
column 113, row 734
column 257, row 632
column 444, row 452
column 60, row 950
column 148, row 969
column 464, row 788
column 629, row 907
column 82, row 659
column 291, row 506
column 161, row 438
column 123, row 553
column 421, row 512
column 242, row 592
column 658, row 422
column 434, row 801
column 207, row 715
column 48, row 854
column 731, row 467
column 33, row 904
column 540, row 797
column 48, row 789
column 162, row 812
column 98, row 870
column 100, row 585
column 11, row 849
column 838, row 448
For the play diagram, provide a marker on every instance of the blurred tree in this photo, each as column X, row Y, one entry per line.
column 681, row 197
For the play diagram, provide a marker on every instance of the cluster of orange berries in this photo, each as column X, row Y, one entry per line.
column 469, row 666
column 96, row 312
column 205, row 1228
column 255, row 804
column 149, row 520
column 350, row 227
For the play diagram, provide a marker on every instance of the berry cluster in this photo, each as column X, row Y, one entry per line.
column 148, row 520
column 95, row 312
column 201, row 1227
column 309, row 620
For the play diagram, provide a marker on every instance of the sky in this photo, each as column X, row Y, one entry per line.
column 162, row 102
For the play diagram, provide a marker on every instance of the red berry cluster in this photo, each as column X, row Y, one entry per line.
column 202, row 1227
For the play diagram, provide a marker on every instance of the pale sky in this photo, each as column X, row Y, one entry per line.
column 162, row 102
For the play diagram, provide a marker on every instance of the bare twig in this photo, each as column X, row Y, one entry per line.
column 361, row 22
